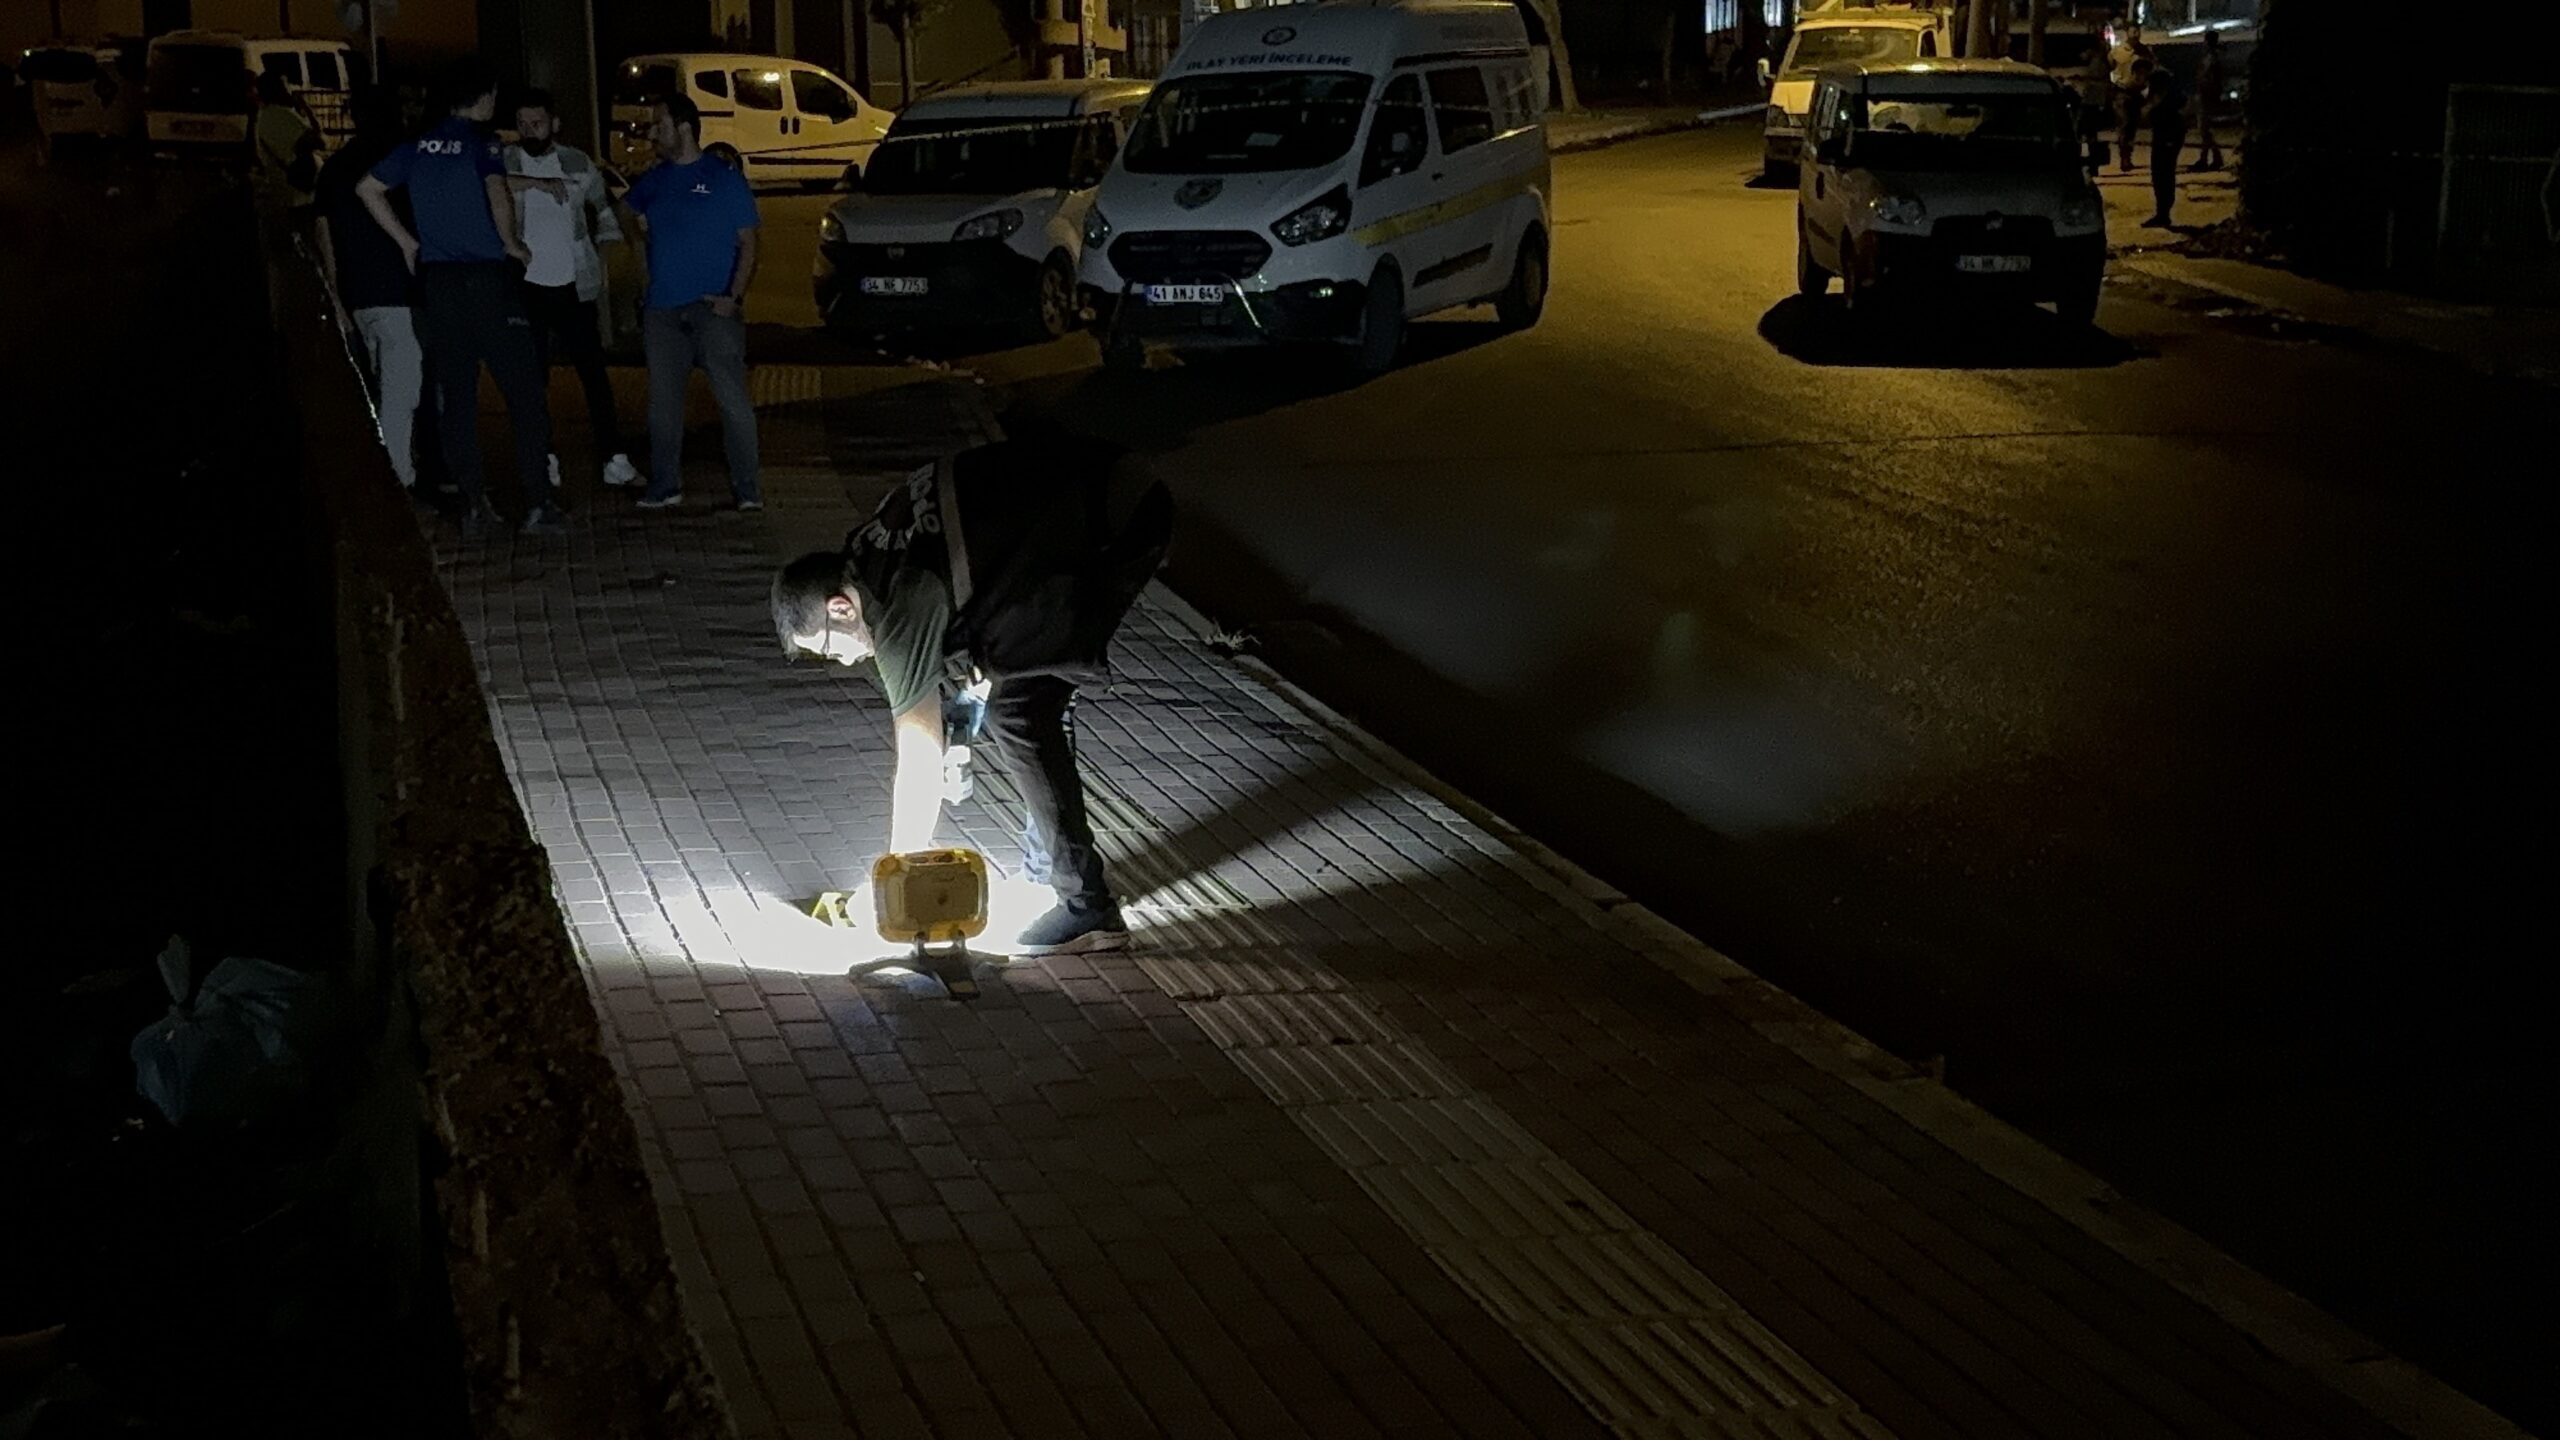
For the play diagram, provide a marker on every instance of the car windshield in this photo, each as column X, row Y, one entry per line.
column 1961, row 132
column 1226, row 124
column 1851, row 45
column 978, row 155
column 199, row 79
column 60, row 67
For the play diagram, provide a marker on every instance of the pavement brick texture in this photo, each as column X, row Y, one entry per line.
column 1376, row 1131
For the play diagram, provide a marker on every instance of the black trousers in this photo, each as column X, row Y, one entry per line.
column 2165, row 145
column 469, row 316
column 564, row 328
column 1031, row 726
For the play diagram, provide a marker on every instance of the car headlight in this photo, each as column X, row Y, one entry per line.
column 830, row 229
column 1322, row 218
column 1897, row 210
column 2080, row 212
column 1097, row 228
column 994, row 225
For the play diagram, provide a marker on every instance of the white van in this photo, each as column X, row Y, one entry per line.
column 782, row 122
column 971, row 212
column 1326, row 172
column 1843, row 35
column 201, row 86
column 81, row 93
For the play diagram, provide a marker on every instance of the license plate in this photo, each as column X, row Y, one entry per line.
column 1993, row 264
column 893, row 285
column 1186, row 294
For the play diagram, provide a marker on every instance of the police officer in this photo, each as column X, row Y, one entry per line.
column 470, row 263
column 1013, row 562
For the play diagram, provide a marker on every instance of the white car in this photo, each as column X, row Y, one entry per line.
column 1962, row 177
column 780, row 122
column 1872, row 35
column 81, row 93
column 1327, row 172
column 971, row 213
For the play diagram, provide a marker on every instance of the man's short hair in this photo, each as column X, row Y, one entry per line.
column 534, row 97
column 801, row 590
column 682, row 110
column 462, row 83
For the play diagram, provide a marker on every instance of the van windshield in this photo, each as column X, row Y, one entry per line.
column 981, row 155
column 1961, row 132
column 198, row 79
column 1229, row 124
column 1829, row 45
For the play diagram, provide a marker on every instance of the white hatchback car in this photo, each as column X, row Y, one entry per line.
column 781, row 122
column 1955, row 177
column 971, row 213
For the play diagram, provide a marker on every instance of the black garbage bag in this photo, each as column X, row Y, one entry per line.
column 232, row 1050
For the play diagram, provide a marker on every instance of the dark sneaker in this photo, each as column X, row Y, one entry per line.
column 1075, row 930
column 660, row 502
column 545, row 520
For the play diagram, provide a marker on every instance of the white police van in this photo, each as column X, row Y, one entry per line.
column 1326, row 172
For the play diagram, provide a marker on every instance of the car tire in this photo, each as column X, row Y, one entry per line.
column 1382, row 325
column 1525, row 298
column 2079, row 304
column 1811, row 279
column 1053, row 303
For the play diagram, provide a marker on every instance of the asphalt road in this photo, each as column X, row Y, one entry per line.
column 2138, row 722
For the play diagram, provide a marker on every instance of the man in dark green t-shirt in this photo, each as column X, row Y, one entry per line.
column 1054, row 542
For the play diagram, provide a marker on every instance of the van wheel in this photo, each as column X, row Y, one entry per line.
column 1054, row 308
column 1811, row 279
column 1525, row 299
column 1381, row 336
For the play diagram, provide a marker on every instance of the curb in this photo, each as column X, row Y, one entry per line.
column 2288, row 1327
column 1646, row 129
column 2141, row 263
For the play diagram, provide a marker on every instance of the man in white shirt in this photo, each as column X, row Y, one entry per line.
column 565, row 212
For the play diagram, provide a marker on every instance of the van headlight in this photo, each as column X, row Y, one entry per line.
column 2080, row 212
column 1900, row 211
column 830, row 229
column 1322, row 218
column 994, row 225
column 1097, row 228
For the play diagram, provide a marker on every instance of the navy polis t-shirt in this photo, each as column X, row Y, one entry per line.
column 445, row 171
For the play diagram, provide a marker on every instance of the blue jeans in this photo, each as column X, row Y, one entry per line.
column 676, row 341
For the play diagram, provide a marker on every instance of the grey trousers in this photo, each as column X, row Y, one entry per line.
column 675, row 342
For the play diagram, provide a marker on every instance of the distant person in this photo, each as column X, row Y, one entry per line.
column 700, row 220
column 2164, row 112
column 2209, row 89
column 369, row 279
column 286, row 142
column 2131, row 72
column 2095, row 92
column 470, row 266
column 560, row 194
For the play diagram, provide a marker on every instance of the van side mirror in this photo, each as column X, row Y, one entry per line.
column 1767, row 79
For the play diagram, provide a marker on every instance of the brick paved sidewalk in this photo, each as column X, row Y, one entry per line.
column 1382, row 1129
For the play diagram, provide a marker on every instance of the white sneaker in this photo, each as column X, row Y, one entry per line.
column 619, row 471
column 555, row 470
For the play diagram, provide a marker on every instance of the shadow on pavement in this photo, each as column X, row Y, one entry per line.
column 1162, row 407
column 1818, row 330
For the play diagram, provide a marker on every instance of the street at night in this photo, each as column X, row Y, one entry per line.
column 1397, row 717
column 2132, row 721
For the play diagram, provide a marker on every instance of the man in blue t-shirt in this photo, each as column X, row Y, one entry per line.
column 470, row 261
column 700, row 219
